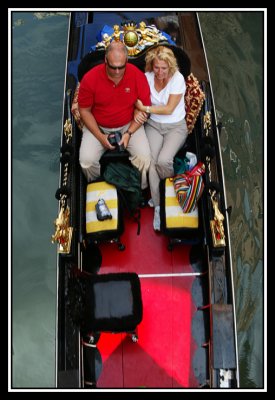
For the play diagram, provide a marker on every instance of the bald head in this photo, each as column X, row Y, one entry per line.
column 116, row 49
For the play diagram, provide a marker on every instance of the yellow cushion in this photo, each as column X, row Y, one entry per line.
column 175, row 218
column 107, row 192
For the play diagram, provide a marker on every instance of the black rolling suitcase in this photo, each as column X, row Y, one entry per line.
column 104, row 220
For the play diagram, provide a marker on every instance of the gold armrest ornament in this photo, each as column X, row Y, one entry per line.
column 216, row 224
column 63, row 232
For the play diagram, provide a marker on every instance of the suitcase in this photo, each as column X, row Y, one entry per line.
column 178, row 226
column 107, row 230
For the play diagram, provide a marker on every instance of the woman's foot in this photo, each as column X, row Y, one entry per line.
column 156, row 222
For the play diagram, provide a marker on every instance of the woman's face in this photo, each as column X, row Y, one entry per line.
column 160, row 69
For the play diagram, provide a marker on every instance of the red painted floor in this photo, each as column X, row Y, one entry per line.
column 162, row 358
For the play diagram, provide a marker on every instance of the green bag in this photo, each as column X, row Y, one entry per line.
column 180, row 165
column 127, row 179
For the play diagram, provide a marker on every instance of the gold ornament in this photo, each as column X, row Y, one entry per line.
column 63, row 232
column 135, row 39
column 131, row 39
column 216, row 224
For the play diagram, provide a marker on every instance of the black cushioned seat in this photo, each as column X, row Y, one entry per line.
column 112, row 303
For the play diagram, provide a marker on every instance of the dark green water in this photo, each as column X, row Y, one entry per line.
column 234, row 43
column 38, row 65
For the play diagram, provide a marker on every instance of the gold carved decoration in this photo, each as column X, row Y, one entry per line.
column 68, row 131
column 207, row 122
column 135, row 39
column 63, row 232
column 216, row 224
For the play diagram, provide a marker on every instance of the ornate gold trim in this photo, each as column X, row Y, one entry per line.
column 216, row 225
column 63, row 232
column 68, row 130
column 135, row 39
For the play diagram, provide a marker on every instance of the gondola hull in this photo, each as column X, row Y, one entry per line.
column 187, row 334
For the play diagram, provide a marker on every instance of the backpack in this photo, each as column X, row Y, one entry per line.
column 127, row 180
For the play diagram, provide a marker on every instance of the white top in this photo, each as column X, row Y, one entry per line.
column 176, row 85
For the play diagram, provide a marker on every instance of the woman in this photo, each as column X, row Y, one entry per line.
column 166, row 128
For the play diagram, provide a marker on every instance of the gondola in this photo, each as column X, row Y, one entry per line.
column 186, row 336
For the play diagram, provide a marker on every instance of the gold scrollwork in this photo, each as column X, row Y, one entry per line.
column 68, row 130
column 216, row 225
column 63, row 232
column 135, row 39
column 207, row 122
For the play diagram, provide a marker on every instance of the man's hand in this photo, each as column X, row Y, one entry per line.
column 124, row 140
column 105, row 142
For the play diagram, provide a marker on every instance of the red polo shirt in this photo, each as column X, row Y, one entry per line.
column 111, row 105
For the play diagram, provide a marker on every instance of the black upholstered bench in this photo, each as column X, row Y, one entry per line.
column 112, row 303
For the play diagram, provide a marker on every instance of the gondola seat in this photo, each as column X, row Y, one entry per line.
column 107, row 230
column 194, row 96
column 180, row 227
column 112, row 303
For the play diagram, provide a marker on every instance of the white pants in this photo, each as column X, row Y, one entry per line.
column 91, row 151
column 165, row 141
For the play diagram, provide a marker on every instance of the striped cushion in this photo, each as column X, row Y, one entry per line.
column 175, row 218
column 107, row 192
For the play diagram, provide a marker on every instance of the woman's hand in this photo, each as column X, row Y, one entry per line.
column 140, row 116
column 139, row 105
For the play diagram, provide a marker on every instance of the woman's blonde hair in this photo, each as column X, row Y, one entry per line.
column 162, row 53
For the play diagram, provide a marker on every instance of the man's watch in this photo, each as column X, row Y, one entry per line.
column 129, row 132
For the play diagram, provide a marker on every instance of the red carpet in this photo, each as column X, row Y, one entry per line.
column 162, row 358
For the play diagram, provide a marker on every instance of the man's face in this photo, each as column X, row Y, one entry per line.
column 115, row 64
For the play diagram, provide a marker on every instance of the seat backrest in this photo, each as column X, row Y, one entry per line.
column 194, row 97
column 97, row 57
column 89, row 61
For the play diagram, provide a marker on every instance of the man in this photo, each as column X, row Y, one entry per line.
column 106, row 99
